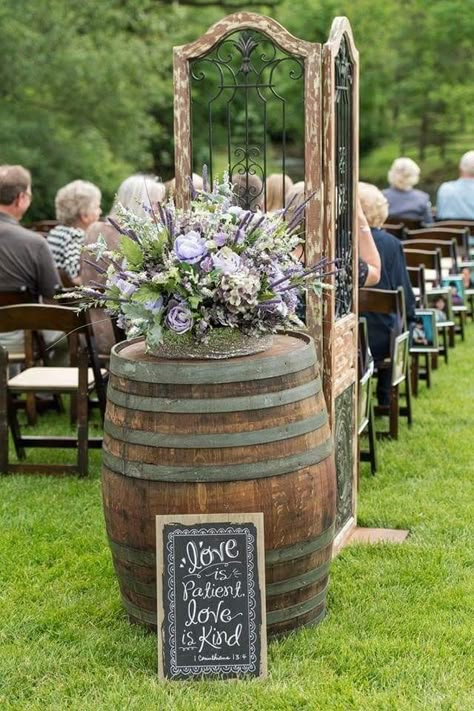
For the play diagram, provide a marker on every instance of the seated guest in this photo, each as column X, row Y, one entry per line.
column 394, row 274
column 277, row 187
column 404, row 201
column 455, row 200
column 25, row 259
column 77, row 206
column 248, row 190
column 134, row 193
column 369, row 258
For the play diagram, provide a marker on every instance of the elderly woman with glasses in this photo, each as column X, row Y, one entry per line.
column 77, row 206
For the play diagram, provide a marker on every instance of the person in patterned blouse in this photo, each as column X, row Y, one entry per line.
column 77, row 206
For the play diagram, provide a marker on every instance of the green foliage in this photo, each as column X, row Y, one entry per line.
column 132, row 252
column 86, row 88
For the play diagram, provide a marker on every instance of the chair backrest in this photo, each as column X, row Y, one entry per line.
column 406, row 222
column 384, row 301
column 447, row 247
column 418, row 282
column 429, row 258
column 18, row 296
column 444, row 233
column 397, row 230
column 43, row 226
column 35, row 317
column 456, row 224
column 42, row 317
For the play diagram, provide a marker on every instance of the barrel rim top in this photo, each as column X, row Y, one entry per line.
column 263, row 365
column 118, row 347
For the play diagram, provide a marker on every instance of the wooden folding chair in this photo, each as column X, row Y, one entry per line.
column 82, row 376
column 33, row 345
column 392, row 302
column 421, row 352
column 448, row 249
column 418, row 282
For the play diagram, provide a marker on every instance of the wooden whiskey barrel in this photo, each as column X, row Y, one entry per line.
column 242, row 435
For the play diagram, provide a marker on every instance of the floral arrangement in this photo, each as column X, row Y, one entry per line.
column 194, row 271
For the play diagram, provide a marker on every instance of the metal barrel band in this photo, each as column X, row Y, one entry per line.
column 228, row 472
column 147, row 559
column 212, row 371
column 146, row 616
column 289, row 613
column 272, row 589
column 299, row 581
column 300, row 549
column 132, row 555
column 205, row 405
column 215, row 440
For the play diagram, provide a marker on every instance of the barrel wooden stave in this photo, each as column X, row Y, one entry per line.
column 298, row 505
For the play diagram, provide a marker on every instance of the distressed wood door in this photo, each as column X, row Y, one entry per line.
column 340, row 308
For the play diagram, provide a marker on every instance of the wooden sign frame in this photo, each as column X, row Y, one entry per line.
column 257, row 637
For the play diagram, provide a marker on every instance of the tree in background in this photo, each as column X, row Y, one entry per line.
column 86, row 88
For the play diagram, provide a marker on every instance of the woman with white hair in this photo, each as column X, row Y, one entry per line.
column 135, row 193
column 405, row 202
column 77, row 206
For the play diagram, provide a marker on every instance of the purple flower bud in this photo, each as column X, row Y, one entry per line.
column 206, row 264
column 125, row 287
column 220, row 239
column 190, row 248
column 179, row 319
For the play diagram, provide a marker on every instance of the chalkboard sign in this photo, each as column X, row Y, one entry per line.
column 211, row 596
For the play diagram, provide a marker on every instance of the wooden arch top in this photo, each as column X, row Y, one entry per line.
column 241, row 21
column 340, row 27
column 309, row 52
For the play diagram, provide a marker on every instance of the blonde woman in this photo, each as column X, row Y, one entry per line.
column 135, row 192
column 77, row 206
column 404, row 201
column 393, row 274
column 277, row 187
column 369, row 259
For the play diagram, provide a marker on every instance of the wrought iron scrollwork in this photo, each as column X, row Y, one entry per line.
column 344, row 178
column 235, row 92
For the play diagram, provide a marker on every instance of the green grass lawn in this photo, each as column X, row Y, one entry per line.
column 400, row 629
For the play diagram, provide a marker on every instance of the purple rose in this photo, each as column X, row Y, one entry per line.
column 190, row 248
column 226, row 261
column 179, row 319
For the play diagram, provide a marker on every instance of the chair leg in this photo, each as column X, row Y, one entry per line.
column 31, row 412
column 409, row 413
column 15, row 428
column 452, row 336
column 428, row 370
column 415, row 373
column 82, row 410
column 394, row 412
column 372, row 441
